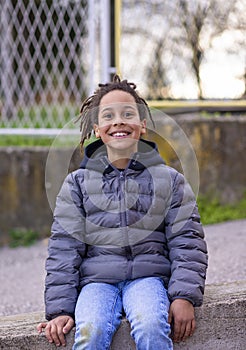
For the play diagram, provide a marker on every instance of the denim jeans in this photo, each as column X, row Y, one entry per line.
column 99, row 310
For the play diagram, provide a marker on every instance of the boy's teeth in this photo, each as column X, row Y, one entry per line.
column 119, row 134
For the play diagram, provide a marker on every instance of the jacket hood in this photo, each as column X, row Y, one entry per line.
column 95, row 157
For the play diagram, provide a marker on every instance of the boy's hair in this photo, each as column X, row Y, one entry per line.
column 89, row 109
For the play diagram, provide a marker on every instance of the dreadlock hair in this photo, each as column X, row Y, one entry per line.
column 89, row 110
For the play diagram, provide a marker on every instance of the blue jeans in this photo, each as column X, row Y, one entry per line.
column 99, row 310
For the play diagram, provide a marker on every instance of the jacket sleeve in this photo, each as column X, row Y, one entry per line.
column 65, row 252
column 186, row 244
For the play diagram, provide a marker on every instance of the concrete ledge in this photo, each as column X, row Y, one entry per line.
column 220, row 325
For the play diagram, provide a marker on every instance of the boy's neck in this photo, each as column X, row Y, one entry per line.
column 120, row 158
column 120, row 163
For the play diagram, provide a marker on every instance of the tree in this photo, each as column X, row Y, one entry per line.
column 157, row 80
column 175, row 37
column 244, row 81
column 200, row 22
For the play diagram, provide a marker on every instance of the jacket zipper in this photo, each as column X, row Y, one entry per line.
column 124, row 224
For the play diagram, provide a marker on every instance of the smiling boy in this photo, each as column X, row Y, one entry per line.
column 126, row 237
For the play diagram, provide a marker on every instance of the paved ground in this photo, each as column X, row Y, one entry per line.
column 23, row 269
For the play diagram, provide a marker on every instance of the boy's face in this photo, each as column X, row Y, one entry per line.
column 119, row 124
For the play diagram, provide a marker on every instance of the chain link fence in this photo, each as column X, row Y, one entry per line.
column 42, row 68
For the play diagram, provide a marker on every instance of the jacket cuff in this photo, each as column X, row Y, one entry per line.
column 51, row 317
column 184, row 298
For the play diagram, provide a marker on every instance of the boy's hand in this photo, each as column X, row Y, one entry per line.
column 182, row 318
column 56, row 328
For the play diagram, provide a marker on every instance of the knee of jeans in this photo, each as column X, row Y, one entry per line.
column 89, row 331
column 150, row 325
column 92, row 336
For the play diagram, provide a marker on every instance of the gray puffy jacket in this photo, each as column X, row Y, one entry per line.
column 112, row 225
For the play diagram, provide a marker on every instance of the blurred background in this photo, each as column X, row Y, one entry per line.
column 53, row 53
column 188, row 60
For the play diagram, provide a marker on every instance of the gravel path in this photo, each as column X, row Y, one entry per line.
column 23, row 269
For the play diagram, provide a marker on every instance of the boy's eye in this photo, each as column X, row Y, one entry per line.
column 107, row 116
column 128, row 114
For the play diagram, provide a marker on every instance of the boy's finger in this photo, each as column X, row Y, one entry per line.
column 183, row 331
column 40, row 326
column 187, row 331
column 60, row 336
column 69, row 325
column 54, row 335
column 193, row 326
column 48, row 333
column 176, row 331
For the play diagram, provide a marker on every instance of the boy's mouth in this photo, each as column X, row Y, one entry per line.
column 118, row 134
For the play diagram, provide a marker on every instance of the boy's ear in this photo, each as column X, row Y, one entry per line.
column 96, row 130
column 143, row 124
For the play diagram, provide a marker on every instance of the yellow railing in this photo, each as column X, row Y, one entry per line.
column 117, row 29
column 197, row 103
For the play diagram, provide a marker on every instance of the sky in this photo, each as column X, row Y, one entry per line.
column 220, row 72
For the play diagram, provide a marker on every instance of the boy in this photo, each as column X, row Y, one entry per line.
column 126, row 235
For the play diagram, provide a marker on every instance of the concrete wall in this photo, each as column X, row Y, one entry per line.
column 220, row 324
column 219, row 144
column 28, row 188
column 208, row 150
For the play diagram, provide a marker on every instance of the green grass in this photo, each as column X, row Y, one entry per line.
column 22, row 237
column 23, row 140
column 28, row 140
column 49, row 116
column 212, row 211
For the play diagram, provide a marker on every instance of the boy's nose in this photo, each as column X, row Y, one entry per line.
column 118, row 120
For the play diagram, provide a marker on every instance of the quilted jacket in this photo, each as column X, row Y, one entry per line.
column 112, row 225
